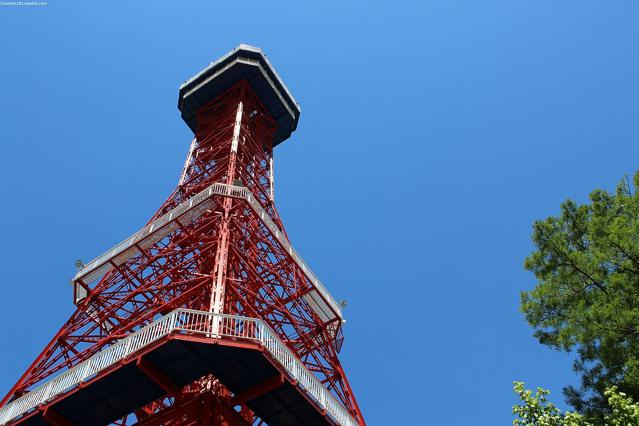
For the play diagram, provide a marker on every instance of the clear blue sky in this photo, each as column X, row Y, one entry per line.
column 432, row 135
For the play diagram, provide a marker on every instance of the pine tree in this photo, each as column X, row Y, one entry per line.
column 587, row 294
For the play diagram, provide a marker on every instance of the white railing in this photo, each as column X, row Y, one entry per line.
column 184, row 321
column 188, row 210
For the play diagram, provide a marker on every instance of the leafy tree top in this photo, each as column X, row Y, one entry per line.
column 587, row 293
column 536, row 410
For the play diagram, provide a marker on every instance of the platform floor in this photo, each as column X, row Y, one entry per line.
column 123, row 388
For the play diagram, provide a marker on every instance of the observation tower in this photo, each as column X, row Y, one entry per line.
column 207, row 315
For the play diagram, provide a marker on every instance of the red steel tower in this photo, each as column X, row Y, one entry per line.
column 206, row 315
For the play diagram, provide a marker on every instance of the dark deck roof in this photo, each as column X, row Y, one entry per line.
column 243, row 62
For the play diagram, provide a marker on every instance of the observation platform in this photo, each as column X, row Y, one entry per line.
column 242, row 63
column 243, row 353
column 320, row 299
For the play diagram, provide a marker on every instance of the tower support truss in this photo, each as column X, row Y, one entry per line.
column 206, row 315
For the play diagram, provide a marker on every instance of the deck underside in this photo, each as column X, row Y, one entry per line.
column 125, row 387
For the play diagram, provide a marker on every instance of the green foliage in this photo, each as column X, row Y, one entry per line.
column 623, row 411
column 587, row 293
column 536, row 410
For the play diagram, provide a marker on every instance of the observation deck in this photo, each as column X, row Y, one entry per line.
column 242, row 63
column 244, row 353
column 320, row 299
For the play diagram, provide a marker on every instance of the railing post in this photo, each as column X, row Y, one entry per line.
column 173, row 320
column 46, row 391
column 85, row 370
column 10, row 412
column 297, row 367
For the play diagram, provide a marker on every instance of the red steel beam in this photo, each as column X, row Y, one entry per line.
column 55, row 418
column 259, row 389
column 154, row 374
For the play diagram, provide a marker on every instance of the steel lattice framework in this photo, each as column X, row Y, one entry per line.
column 216, row 245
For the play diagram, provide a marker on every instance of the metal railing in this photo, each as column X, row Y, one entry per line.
column 184, row 321
column 161, row 227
